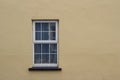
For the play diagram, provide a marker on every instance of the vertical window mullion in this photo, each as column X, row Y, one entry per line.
column 41, row 44
column 41, row 53
column 49, row 53
column 49, row 39
column 41, row 32
column 49, row 31
column 49, row 43
column 56, row 31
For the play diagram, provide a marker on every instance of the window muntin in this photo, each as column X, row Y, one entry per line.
column 45, row 43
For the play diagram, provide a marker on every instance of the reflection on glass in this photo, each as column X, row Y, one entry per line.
column 53, row 48
column 37, row 35
column 45, row 27
column 37, row 48
column 52, row 26
column 53, row 58
column 45, row 35
column 45, row 48
column 38, row 27
column 45, row 58
column 37, row 58
column 52, row 36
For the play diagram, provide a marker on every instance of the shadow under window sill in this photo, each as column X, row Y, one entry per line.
column 44, row 69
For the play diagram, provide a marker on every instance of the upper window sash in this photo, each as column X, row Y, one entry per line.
column 44, row 32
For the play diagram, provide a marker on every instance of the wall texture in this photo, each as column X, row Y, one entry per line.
column 89, row 39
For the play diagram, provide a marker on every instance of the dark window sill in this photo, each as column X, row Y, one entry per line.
column 45, row 69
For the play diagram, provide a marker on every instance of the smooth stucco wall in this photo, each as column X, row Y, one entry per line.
column 89, row 38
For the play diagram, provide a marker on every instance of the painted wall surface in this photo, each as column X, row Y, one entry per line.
column 89, row 39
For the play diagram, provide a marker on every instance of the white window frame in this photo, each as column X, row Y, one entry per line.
column 45, row 41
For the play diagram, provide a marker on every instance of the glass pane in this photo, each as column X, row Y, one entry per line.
column 38, row 27
column 37, row 35
column 45, row 48
column 53, row 48
column 52, row 26
column 45, row 35
column 52, row 36
column 45, row 27
column 37, row 58
column 37, row 48
column 53, row 58
column 45, row 58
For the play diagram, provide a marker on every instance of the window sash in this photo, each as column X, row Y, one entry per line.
column 56, row 31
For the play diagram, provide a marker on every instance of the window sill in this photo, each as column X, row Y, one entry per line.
column 45, row 69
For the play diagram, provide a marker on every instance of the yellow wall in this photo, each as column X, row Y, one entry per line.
column 89, row 39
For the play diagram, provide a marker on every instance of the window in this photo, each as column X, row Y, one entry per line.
column 45, row 43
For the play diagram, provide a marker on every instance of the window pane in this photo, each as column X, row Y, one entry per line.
column 45, row 35
column 45, row 58
column 52, row 36
column 37, row 48
column 53, row 58
column 37, row 58
column 45, row 27
column 38, row 27
column 52, row 26
column 45, row 48
column 53, row 48
column 37, row 35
